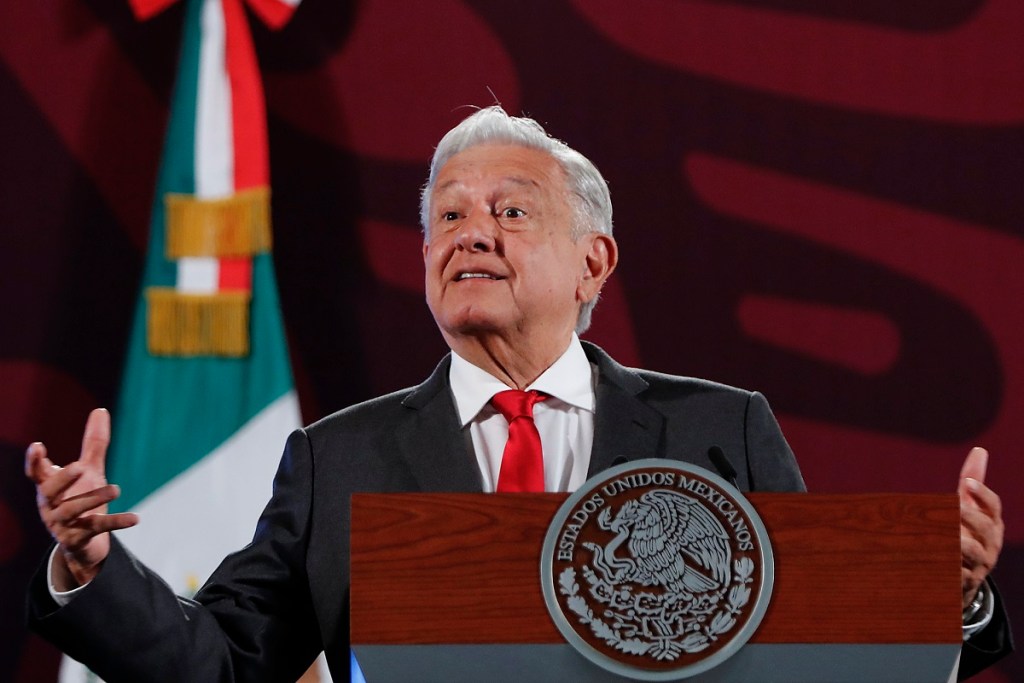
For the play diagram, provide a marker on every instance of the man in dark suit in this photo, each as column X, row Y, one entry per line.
column 517, row 247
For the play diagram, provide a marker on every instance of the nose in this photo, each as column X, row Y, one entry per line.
column 478, row 233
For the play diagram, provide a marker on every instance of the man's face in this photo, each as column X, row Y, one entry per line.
column 499, row 254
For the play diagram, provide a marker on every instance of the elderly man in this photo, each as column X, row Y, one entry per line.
column 517, row 247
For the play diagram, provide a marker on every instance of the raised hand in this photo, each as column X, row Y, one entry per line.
column 72, row 503
column 981, row 524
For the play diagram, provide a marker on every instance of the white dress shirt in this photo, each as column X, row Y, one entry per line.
column 565, row 420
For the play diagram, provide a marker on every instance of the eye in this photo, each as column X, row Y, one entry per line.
column 513, row 212
column 450, row 216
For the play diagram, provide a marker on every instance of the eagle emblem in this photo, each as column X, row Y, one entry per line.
column 673, row 543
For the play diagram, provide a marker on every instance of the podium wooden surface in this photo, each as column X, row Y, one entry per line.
column 463, row 569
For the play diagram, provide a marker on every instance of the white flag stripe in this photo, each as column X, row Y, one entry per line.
column 214, row 150
column 198, row 275
column 210, row 509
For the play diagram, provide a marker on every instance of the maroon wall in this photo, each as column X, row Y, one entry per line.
column 819, row 199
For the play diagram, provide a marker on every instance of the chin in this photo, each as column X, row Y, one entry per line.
column 475, row 326
column 474, row 322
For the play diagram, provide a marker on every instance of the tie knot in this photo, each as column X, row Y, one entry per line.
column 515, row 403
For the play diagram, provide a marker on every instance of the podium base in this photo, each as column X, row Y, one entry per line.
column 755, row 663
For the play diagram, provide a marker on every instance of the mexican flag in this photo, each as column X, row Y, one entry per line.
column 207, row 398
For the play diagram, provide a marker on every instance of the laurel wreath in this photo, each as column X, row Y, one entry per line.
column 620, row 635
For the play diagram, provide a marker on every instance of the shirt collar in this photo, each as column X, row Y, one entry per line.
column 569, row 379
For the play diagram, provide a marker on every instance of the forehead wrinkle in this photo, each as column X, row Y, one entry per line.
column 519, row 181
column 507, row 180
column 447, row 185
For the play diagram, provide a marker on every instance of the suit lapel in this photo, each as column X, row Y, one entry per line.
column 625, row 428
column 436, row 449
column 431, row 440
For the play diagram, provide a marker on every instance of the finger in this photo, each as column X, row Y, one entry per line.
column 96, row 439
column 973, row 571
column 979, row 525
column 76, row 506
column 101, row 523
column 76, row 535
column 986, row 530
column 58, row 481
column 983, row 498
column 975, row 465
column 969, row 584
column 972, row 553
column 970, row 578
column 75, row 538
column 37, row 465
column 979, row 555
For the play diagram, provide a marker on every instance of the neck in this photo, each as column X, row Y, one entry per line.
column 516, row 365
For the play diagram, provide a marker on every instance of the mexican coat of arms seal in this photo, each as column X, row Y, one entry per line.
column 657, row 570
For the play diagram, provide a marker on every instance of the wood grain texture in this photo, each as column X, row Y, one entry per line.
column 465, row 568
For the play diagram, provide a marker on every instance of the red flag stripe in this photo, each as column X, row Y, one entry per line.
column 248, row 111
column 235, row 274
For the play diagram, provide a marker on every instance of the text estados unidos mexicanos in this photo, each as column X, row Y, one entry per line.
column 597, row 500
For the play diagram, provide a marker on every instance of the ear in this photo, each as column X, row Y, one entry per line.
column 601, row 259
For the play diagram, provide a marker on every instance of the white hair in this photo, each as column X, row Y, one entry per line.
column 587, row 188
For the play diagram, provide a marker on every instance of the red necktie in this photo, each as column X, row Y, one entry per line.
column 522, row 463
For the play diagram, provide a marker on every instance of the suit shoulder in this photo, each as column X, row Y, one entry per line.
column 661, row 384
column 367, row 414
column 652, row 385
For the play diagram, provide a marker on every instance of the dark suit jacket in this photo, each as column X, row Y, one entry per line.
column 269, row 608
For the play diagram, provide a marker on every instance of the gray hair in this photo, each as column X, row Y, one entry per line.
column 588, row 190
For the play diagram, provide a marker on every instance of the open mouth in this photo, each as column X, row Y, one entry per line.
column 477, row 276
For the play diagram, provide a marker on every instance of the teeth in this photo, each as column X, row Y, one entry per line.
column 466, row 276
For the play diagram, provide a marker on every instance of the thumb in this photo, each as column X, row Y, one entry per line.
column 975, row 467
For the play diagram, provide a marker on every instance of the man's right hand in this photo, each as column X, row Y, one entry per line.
column 73, row 501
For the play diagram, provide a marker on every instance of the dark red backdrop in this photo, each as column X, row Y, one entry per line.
column 820, row 199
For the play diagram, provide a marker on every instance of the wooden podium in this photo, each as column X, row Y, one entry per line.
column 446, row 587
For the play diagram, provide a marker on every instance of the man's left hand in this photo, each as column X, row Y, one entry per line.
column 981, row 524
